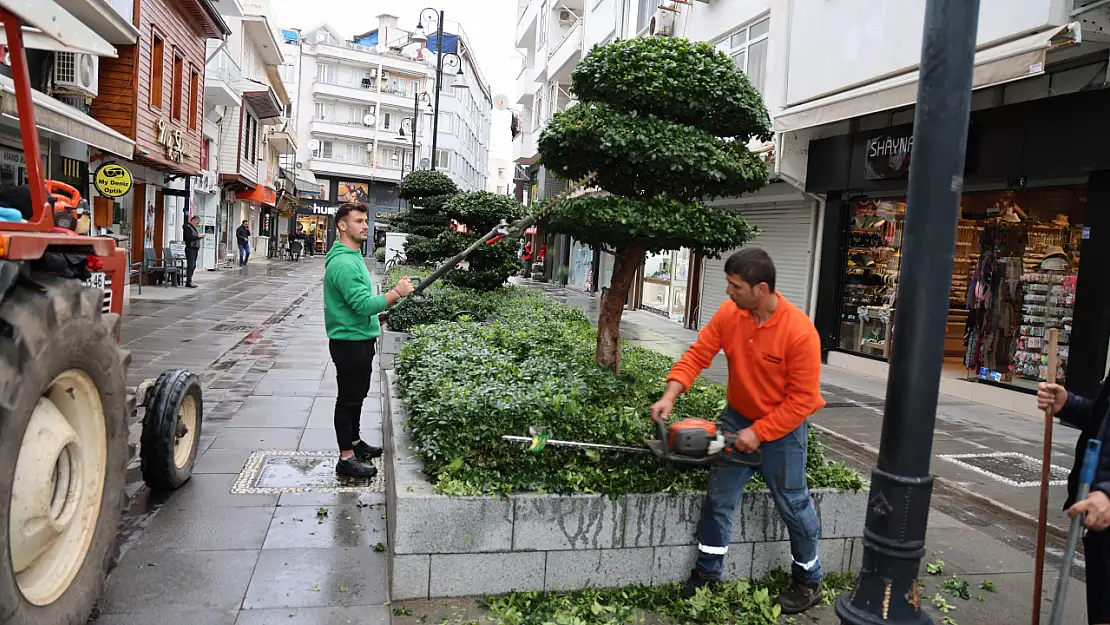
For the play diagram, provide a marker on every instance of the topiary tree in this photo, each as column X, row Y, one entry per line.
column 662, row 124
column 428, row 191
column 490, row 265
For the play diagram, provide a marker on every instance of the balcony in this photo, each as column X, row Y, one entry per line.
column 343, row 130
column 260, row 24
column 526, row 25
column 337, row 166
column 566, row 54
column 524, row 148
column 222, row 78
column 525, row 87
column 346, row 90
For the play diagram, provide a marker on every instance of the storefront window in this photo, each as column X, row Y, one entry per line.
column 666, row 279
column 1014, row 278
column 581, row 265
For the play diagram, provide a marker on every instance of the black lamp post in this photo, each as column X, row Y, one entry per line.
column 431, row 15
column 901, row 484
column 416, row 99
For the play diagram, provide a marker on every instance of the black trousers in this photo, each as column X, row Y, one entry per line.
column 353, row 367
column 1096, row 553
column 190, row 263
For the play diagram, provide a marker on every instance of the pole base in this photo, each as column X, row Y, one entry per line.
column 851, row 615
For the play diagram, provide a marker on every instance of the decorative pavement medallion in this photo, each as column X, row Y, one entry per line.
column 1010, row 467
column 276, row 471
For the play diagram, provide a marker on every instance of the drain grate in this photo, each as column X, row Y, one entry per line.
column 274, row 472
column 232, row 327
column 1010, row 467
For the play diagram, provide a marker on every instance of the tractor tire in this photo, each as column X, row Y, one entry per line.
column 171, row 430
column 63, row 450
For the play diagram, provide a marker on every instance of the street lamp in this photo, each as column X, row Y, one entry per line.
column 419, row 35
column 416, row 99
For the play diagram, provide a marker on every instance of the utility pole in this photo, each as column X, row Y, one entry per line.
column 439, row 78
column 901, row 483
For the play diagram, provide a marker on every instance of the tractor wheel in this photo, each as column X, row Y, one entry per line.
column 63, row 450
column 171, row 430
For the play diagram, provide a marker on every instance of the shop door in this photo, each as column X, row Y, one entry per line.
column 785, row 233
column 159, row 221
column 138, row 222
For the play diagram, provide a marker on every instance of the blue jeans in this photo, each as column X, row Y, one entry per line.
column 784, row 469
column 244, row 253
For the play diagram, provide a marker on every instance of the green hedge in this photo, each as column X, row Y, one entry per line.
column 469, row 383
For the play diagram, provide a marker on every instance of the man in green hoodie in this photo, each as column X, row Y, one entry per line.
column 351, row 317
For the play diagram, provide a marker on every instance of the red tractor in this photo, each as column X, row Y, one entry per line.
column 66, row 413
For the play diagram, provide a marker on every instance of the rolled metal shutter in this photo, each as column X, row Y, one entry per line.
column 785, row 232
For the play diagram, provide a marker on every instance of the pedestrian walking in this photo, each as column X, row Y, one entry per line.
column 526, row 256
column 774, row 385
column 1092, row 418
column 192, row 237
column 351, row 318
column 243, row 237
column 310, row 242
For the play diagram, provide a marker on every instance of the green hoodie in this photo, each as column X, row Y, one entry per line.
column 350, row 306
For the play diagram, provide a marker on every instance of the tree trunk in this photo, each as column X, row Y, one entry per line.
column 608, row 352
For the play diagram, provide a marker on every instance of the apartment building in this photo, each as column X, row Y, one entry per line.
column 840, row 81
column 364, row 110
column 500, row 176
column 246, row 107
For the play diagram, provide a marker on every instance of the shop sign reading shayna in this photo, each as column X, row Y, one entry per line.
column 173, row 141
column 888, row 156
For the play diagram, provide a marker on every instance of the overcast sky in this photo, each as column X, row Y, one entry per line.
column 489, row 24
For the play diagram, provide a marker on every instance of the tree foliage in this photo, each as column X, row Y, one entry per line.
column 425, row 183
column 662, row 124
column 428, row 191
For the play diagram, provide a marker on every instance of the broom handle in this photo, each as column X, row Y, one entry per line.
column 1046, row 474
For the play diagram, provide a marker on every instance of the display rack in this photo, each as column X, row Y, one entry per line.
column 1048, row 301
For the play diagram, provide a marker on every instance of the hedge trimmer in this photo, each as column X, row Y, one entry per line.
column 501, row 231
column 687, row 441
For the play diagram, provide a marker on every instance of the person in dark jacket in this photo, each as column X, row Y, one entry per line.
column 242, row 236
column 192, row 238
column 1093, row 421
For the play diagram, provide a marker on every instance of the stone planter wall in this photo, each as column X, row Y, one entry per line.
column 457, row 546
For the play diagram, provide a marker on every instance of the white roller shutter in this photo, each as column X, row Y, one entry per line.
column 785, row 232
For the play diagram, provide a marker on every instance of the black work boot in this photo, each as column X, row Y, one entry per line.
column 697, row 580
column 799, row 596
column 353, row 467
column 366, row 452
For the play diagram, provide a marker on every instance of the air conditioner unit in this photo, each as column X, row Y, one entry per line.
column 661, row 24
column 566, row 17
column 76, row 73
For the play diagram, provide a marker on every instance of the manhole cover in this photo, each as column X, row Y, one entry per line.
column 1010, row 468
column 272, row 472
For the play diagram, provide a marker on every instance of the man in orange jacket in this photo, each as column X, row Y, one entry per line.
column 774, row 385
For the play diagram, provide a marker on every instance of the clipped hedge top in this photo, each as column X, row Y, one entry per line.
column 482, row 210
column 644, row 155
column 467, row 384
column 676, row 79
column 665, row 224
column 424, row 183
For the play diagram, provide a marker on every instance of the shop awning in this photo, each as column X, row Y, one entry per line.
column 994, row 65
column 63, row 120
column 261, row 194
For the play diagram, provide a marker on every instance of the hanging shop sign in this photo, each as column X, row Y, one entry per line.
column 173, row 141
column 112, row 180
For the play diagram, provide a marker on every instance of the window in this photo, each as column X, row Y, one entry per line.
column 178, row 79
column 646, row 8
column 157, row 69
column 367, row 80
column 541, row 34
column 328, row 148
column 356, row 154
column 194, row 98
column 328, row 74
column 324, row 111
column 748, row 49
column 500, row 172
column 387, row 121
column 287, row 73
column 250, row 138
column 443, row 159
